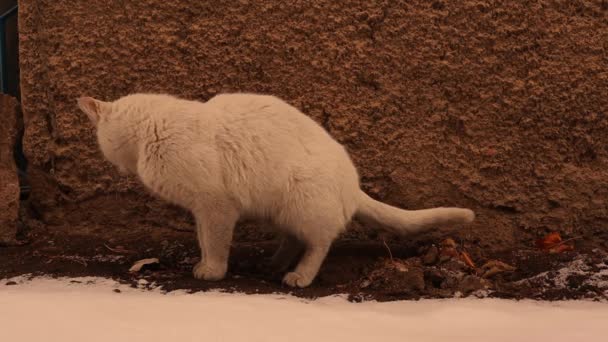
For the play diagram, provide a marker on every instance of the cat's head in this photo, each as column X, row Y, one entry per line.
column 114, row 135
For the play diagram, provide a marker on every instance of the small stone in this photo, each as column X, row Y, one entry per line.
column 412, row 280
column 117, row 291
column 435, row 276
column 11, row 283
column 455, row 265
column 481, row 293
column 471, row 283
column 444, row 258
column 447, row 253
column 431, row 255
column 400, row 266
column 365, row 283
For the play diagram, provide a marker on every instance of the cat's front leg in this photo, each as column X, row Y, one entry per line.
column 215, row 227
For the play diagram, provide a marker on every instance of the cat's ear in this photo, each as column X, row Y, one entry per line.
column 92, row 107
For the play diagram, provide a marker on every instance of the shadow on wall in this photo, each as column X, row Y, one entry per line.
column 9, row 77
column 9, row 48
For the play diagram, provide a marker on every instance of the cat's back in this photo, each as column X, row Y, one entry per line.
column 271, row 150
column 266, row 115
column 254, row 113
column 167, row 113
column 148, row 102
column 274, row 133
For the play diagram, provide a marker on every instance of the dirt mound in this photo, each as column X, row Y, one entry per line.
column 362, row 270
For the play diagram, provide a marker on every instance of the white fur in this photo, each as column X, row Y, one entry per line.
column 247, row 156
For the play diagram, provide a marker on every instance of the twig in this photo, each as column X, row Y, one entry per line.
column 82, row 262
column 388, row 249
column 567, row 240
column 118, row 250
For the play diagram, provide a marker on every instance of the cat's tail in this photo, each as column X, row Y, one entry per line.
column 408, row 221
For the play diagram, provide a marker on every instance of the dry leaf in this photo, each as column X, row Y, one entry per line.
column 448, row 243
column 553, row 243
column 493, row 267
column 467, row 260
column 137, row 266
column 561, row 248
column 549, row 241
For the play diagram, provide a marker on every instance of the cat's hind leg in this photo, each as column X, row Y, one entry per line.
column 308, row 267
column 316, row 233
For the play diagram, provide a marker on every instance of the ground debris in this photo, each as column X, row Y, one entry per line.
column 431, row 256
column 396, row 276
column 118, row 249
column 143, row 264
column 553, row 243
column 493, row 267
column 467, row 260
column 358, row 270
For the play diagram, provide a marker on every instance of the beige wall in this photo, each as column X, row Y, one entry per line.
column 9, row 183
column 496, row 105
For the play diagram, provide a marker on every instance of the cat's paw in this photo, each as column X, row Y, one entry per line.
column 294, row 279
column 205, row 272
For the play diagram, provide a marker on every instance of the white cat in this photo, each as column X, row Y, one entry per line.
column 247, row 156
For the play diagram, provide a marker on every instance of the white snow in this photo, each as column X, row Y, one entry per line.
column 87, row 309
column 559, row 279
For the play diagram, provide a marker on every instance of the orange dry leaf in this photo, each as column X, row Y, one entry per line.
column 561, row 248
column 448, row 243
column 553, row 243
column 467, row 259
column 549, row 241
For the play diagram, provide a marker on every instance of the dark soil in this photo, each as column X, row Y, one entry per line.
column 362, row 270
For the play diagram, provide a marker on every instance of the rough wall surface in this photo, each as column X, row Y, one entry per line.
column 9, row 182
column 496, row 105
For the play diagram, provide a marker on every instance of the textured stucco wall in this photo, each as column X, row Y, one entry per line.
column 496, row 105
column 9, row 182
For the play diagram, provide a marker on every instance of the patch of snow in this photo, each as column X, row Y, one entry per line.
column 83, row 260
column 70, row 310
column 483, row 293
column 600, row 278
column 107, row 258
column 559, row 279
